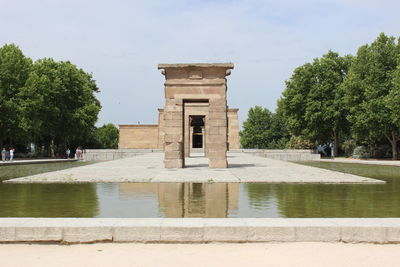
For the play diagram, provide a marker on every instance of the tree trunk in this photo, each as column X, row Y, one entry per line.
column 335, row 144
column 52, row 148
column 394, row 150
column 393, row 141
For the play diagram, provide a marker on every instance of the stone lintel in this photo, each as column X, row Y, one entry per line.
column 197, row 83
column 137, row 125
column 196, row 65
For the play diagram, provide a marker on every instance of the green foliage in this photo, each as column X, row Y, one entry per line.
column 263, row 129
column 58, row 104
column 349, row 146
column 312, row 102
column 372, row 93
column 50, row 103
column 107, row 136
column 299, row 142
column 14, row 71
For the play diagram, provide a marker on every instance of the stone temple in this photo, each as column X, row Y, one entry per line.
column 195, row 118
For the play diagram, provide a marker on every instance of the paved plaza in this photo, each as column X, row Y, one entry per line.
column 149, row 168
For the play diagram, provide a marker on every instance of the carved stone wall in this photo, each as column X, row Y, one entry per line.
column 195, row 83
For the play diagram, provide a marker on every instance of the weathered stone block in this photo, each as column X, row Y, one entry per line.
column 173, row 146
column 87, row 234
column 173, row 154
column 174, row 130
column 393, row 234
column 318, row 234
column 269, row 233
column 7, row 233
column 173, row 163
column 38, row 234
column 219, row 122
column 174, row 123
column 172, row 138
column 359, row 234
column 223, row 230
column 216, row 139
column 217, row 116
column 137, row 233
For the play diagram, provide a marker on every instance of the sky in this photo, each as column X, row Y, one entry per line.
column 121, row 42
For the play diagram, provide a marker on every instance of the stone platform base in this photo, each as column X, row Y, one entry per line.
column 199, row 230
column 242, row 168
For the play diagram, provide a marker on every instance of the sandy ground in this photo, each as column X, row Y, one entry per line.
column 256, row 254
column 149, row 168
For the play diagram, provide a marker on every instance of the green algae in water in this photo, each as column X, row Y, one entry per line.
column 215, row 200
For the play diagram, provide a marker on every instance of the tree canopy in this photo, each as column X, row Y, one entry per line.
column 263, row 129
column 107, row 136
column 49, row 103
column 14, row 71
column 372, row 92
column 312, row 102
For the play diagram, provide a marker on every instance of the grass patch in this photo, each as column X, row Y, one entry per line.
column 15, row 171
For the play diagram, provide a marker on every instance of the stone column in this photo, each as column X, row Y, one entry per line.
column 187, row 136
column 173, row 128
column 216, row 128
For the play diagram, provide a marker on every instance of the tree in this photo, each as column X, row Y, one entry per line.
column 59, row 104
column 313, row 102
column 256, row 129
column 14, row 71
column 371, row 91
column 263, row 129
column 107, row 136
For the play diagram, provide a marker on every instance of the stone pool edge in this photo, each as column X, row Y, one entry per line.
column 199, row 230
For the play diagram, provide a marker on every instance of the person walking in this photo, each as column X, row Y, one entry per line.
column 3, row 154
column 12, row 154
column 68, row 153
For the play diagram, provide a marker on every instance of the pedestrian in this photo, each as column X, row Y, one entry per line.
column 3, row 154
column 12, row 154
column 68, row 153
column 78, row 152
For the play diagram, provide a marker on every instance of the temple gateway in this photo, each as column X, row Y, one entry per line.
column 195, row 117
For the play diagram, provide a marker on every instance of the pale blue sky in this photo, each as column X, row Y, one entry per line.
column 121, row 42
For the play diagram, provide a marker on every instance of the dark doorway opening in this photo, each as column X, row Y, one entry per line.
column 197, row 122
column 197, row 141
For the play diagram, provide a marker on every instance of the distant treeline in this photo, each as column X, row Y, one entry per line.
column 50, row 104
column 353, row 101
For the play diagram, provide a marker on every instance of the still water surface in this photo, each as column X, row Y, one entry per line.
column 202, row 200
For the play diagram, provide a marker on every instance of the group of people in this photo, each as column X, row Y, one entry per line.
column 78, row 153
column 7, row 154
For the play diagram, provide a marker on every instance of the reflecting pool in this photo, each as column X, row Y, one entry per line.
column 213, row 200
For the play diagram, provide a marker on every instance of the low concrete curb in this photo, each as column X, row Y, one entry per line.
column 34, row 161
column 199, row 230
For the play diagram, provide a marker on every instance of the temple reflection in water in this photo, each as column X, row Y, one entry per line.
column 175, row 200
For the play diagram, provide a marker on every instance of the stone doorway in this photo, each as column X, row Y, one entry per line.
column 197, row 135
column 195, row 90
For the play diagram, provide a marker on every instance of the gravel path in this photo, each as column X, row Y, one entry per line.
column 149, row 168
column 251, row 254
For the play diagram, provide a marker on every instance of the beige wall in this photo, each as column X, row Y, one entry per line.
column 152, row 136
column 233, row 129
column 138, row 136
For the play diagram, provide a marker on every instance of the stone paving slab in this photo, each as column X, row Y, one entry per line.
column 243, row 168
column 200, row 230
